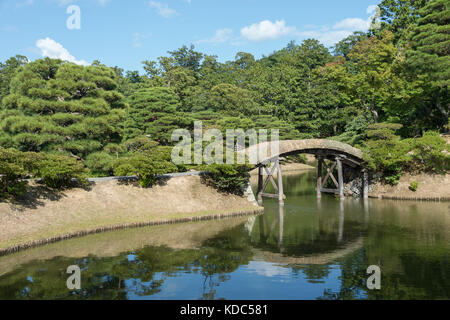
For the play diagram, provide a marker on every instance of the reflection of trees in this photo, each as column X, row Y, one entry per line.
column 353, row 278
column 223, row 254
column 314, row 272
column 141, row 274
column 409, row 270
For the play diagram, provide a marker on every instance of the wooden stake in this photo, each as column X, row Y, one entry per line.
column 319, row 177
column 280, row 183
column 340, row 178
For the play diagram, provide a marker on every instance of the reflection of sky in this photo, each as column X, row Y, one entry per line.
column 257, row 280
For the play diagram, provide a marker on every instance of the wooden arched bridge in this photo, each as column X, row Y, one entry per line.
column 329, row 154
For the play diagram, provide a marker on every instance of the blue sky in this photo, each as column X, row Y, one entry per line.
column 124, row 33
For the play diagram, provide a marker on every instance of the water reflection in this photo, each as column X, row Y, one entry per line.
column 307, row 249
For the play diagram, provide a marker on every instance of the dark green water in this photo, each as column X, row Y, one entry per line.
column 308, row 249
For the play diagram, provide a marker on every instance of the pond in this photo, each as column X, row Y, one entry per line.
column 308, row 249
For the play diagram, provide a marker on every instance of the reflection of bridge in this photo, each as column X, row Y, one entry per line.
column 337, row 153
column 340, row 250
column 323, row 258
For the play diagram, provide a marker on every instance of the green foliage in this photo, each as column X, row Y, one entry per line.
column 61, row 107
column 345, row 46
column 429, row 38
column 231, row 99
column 298, row 158
column 398, row 16
column 383, row 131
column 228, row 178
column 101, row 164
column 414, row 185
column 146, row 165
column 141, row 143
column 374, row 83
column 154, row 112
column 7, row 72
column 12, row 171
column 355, row 131
column 386, row 153
column 57, row 171
column 430, row 153
column 427, row 66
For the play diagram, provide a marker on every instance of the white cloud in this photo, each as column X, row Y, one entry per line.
column 266, row 30
column 340, row 30
column 267, row 269
column 352, row 24
column 328, row 38
column 221, row 36
column 163, row 9
column 52, row 49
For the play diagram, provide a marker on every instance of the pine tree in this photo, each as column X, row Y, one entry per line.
column 60, row 107
column 154, row 112
column 429, row 62
column 430, row 41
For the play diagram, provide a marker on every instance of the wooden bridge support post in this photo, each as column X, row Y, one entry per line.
column 319, row 177
column 260, row 184
column 280, row 183
column 365, row 184
column 340, row 178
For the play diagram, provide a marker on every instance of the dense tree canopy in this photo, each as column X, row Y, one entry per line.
column 61, row 107
column 98, row 114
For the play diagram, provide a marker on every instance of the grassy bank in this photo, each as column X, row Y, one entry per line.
column 112, row 205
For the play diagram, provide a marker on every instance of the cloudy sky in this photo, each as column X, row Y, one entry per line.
column 124, row 33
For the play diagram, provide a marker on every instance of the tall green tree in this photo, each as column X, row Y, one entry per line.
column 398, row 16
column 61, row 107
column 428, row 62
column 154, row 112
column 7, row 71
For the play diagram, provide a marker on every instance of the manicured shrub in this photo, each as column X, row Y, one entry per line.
column 100, row 164
column 387, row 154
column 58, row 171
column 228, row 178
column 145, row 165
column 430, row 153
column 387, row 157
column 141, row 143
column 12, row 172
column 414, row 185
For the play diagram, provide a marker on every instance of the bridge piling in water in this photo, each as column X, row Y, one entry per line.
column 319, row 176
column 339, row 155
column 262, row 184
column 340, row 178
column 321, row 181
